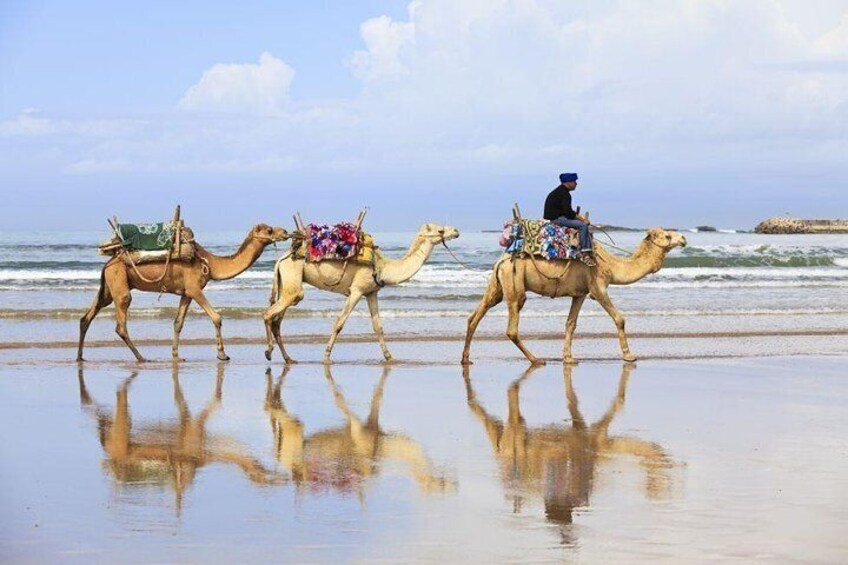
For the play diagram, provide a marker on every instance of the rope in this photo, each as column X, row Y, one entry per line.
column 142, row 277
column 455, row 258
column 625, row 251
column 536, row 265
column 344, row 270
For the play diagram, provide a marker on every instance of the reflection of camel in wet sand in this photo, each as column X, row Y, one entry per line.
column 345, row 457
column 166, row 453
column 560, row 460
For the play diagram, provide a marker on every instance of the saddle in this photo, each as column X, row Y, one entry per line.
column 340, row 242
column 540, row 238
column 150, row 243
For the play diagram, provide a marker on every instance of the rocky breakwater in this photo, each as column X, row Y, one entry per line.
column 795, row 225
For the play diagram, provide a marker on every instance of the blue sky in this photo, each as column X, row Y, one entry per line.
column 673, row 112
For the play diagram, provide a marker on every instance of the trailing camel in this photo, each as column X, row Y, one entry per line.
column 562, row 460
column 513, row 277
column 184, row 278
column 344, row 457
column 350, row 278
column 166, row 453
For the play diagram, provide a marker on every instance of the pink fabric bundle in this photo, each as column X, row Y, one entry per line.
column 339, row 242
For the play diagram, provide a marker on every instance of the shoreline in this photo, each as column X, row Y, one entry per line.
column 320, row 339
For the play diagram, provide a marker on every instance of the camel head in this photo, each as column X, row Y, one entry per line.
column 438, row 234
column 665, row 240
column 268, row 234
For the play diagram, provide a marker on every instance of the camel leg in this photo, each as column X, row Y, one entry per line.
column 122, row 306
column 378, row 325
column 350, row 304
column 102, row 300
column 201, row 300
column 273, row 320
column 377, row 399
column 577, row 420
column 570, row 326
column 288, row 291
column 492, row 297
column 185, row 301
column 603, row 424
column 515, row 303
column 603, row 299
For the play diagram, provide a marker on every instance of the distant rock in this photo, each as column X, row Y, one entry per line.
column 798, row 226
column 616, row 228
column 705, row 228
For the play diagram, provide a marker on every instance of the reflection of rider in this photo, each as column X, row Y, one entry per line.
column 169, row 453
column 559, row 211
column 344, row 457
column 562, row 461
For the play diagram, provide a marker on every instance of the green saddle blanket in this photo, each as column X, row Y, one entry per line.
column 147, row 237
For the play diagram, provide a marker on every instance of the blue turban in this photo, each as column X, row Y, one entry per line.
column 568, row 177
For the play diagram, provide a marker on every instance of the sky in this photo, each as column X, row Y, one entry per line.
column 673, row 112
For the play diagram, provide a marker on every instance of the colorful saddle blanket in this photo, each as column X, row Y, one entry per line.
column 540, row 238
column 340, row 242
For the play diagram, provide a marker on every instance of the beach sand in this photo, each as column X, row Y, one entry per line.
column 683, row 457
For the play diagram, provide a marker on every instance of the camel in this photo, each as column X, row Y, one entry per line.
column 512, row 277
column 559, row 460
column 350, row 278
column 344, row 457
column 185, row 279
column 166, row 453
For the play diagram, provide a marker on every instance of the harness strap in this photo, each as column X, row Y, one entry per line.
column 142, row 277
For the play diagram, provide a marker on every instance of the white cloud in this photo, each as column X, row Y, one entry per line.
column 261, row 88
column 384, row 39
column 516, row 86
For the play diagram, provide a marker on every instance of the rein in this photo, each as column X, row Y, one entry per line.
column 456, row 259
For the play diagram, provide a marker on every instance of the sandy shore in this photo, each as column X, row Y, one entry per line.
column 673, row 461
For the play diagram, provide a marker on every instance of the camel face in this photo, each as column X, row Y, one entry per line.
column 264, row 232
column 437, row 233
column 667, row 240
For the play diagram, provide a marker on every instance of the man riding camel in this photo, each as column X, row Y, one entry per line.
column 559, row 211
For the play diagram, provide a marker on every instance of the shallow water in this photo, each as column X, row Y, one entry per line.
column 676, row 461
column 719, row 282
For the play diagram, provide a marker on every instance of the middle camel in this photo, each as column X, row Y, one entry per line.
column 353, row 279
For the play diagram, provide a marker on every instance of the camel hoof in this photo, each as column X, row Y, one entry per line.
column 223, row 357
column 268, row 353
column 466, row 361
column 291, row 361
column 538, row 362
column 141, row 360
column 629, row 358
column 569, row 361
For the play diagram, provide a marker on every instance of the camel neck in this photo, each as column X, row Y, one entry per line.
column 647, row 259
column 227, row 267
column 397, row 271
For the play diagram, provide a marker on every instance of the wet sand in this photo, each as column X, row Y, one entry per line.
column 670, row 460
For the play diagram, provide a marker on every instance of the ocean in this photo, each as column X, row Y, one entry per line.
column 722, row 282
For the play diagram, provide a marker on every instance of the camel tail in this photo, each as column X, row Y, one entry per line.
column 101, row 292
column 275, row 286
